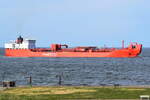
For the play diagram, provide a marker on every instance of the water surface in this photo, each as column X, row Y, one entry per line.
column 77, row 71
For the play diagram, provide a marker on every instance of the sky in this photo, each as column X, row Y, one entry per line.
column 76, row 22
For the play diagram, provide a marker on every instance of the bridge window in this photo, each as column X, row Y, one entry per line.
column 133, row 47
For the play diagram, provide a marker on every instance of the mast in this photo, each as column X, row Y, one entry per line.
column 122, row 43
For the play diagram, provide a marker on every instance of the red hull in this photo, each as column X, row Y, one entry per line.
column 124, row 52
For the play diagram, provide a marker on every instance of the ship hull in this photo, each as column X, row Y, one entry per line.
column 114, row 53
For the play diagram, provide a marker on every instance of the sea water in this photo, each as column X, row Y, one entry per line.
column 77, row 71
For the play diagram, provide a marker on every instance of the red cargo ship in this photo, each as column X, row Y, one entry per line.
column 27, row 48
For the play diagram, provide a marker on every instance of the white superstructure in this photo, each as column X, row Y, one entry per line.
column 24, row 44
